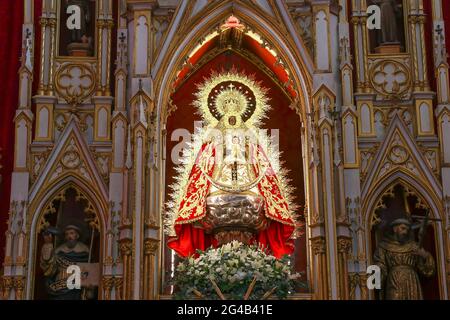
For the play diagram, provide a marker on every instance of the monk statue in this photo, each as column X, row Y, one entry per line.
column 82, row 38
column 401, row 260
column 389, row 28
column 54, row 263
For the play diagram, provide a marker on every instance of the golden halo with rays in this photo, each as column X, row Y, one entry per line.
column 224, row 86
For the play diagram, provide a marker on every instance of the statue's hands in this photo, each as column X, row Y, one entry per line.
column 421, row 252
column 47, row 247
column 48, row 238
column 47, row 251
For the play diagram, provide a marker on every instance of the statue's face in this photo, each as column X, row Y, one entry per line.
column 232, row 109
column 401, row 231
column 71, row 235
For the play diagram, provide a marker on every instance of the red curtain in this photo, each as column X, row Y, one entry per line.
column 429, row 43
column 446, row 11
column 11, row 13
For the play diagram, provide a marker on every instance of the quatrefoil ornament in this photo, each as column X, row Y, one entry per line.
column 390, row 78
column 75, row 83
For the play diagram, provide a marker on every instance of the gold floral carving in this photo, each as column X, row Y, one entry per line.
column 126, row 247
column 49, row 210
column 303, row 23
column 358, row 280
column 19, row 285
column 366, row 157
column 150, row 246
column 38, row 162
column 91, row 215
column 104, row 164
column 389, row 193
column 344, row 245
column 108, row 283
column 318, row 245
column 7, row 284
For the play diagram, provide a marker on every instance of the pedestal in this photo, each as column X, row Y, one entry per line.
column 79, row 49
column 388, row 48
column 234, row 217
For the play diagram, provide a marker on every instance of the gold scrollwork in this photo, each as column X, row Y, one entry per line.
column 420, row 202
column 318, row 245
column 89, row 210
column 49, row 210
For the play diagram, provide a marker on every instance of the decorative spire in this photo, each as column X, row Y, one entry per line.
column 141, row 108
column 27, row 51
column 232, row 22
column 142, row 117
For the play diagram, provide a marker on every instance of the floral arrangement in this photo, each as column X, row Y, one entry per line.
column 234, row 271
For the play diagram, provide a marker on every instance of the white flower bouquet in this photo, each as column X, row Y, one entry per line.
column 234, row 271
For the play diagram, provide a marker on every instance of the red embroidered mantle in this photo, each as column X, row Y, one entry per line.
column 276, row 237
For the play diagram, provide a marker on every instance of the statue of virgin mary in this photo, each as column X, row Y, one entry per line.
column 230, row 185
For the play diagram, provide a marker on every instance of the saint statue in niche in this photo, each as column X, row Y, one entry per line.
column 404, row 246
column 69, row 238
column 54, row 262
column 401, row 260
column 389, row 39
column 231, row 186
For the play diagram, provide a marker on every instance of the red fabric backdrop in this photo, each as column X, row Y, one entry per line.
column 446, row 10
column 429, row 43
column 11, row 13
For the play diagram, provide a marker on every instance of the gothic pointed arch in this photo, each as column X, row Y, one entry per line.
column 171, row 60
column 70, row 160
column 251, row 40
column 401, row 195
column 51, row 212
column 399, row 154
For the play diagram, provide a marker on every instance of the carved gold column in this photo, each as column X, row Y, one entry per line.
column 19, row 285
column 416, row 20
column 353, row 284
column 361, row 46
column 48, row 47
column 104, row 27
column 344, row 248
column 118, row 286
column 108, row 284
column 8, row 285
column 150, row 248
column 358, row 280
column 319, row 251
column 126, row 252
column 363, row 286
